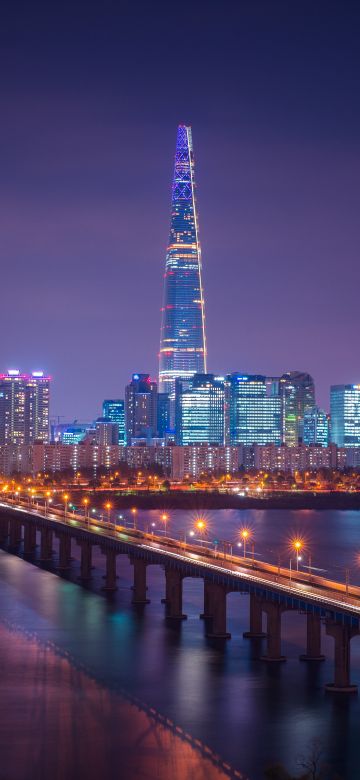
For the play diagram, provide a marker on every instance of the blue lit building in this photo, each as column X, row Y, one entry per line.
column 114, row 410
column 316, row 427
column 163, row 415
column 199, row 410
column 182, row 339
column 73, row 435
column 252, row 414
column 345, row 415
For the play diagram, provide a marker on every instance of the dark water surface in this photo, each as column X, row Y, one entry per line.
column 93, row 687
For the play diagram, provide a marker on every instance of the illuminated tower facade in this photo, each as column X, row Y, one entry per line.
column 182, row 340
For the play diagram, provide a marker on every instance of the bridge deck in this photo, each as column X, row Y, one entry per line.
column 299, row 590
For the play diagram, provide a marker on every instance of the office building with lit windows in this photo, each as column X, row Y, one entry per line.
column 182, row 339
column 252, row 414
column 24, row 407
column 140, row 408
column 114, row 410
column 316, row 427
column 163, row 414
column 297, row 392
column 199, row 410
column 106, row 432
column 345, row 415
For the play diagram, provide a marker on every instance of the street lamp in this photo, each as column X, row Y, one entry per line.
column 47, row 500
column 165, row 518
column 66, row 498
column 201, row 526
column 245, row 534
column 297, row 546
column 133, row 512
column 86, row 504
column 191, row 533
column 108, row 507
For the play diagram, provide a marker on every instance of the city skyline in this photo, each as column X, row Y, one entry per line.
column 85, row 194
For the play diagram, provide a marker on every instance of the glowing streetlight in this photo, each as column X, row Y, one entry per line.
column 297, row 547
column 108, row 507
column 66, row 498
column 86, row 505
column 164, row 518
column 191, row 533
column 134, row 513
column 47, row 500
column 200, row 525
column 245, row 535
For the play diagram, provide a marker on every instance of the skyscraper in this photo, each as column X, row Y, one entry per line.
column 345, row 415
column 252, row 416
column 316, row 427
column 182, row 339
column 297, row 391
column 24, row 407
column 114, row 410
column 199, row 410
column 140, row 408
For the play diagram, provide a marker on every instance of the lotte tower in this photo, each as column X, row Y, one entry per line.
column 182, row 338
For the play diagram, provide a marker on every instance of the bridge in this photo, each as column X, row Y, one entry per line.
column 272, row 589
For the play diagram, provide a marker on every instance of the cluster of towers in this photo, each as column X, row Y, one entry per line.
column 189, row 405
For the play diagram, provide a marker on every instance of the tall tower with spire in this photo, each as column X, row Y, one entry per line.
column 182, row 339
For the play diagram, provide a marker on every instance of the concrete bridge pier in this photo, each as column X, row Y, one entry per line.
column 139, row 588
column 273, row 612
column 166, row 600
column 110, row 575
column 4, row 530
column 207, row 613
column 174, row 593
column 46, row 538
column 64, row 551
column 86, row 559
column 217, row 594
column 29, row 539
column 256, row 628
column 342, row 636
column 15, row 533
column 313, row 639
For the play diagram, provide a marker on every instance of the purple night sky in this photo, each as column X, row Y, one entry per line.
column 91, row 95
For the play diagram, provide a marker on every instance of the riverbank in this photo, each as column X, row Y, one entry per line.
column 214, row 500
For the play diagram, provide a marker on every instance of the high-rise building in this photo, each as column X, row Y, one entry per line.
column 345, row 415
column 140, row 408
column 316, row 427
column 199, row 410
column 24, row 407
column 114, row 410
column 163, row 414
column 182, row 340
column 252, row 415
column 297, row 392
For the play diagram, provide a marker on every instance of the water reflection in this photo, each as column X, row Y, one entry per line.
column 55, row 721
column 247, row 712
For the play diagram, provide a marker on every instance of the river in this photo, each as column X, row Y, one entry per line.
column 93, row 687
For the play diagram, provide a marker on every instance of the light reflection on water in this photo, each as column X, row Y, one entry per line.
column 226, row 698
